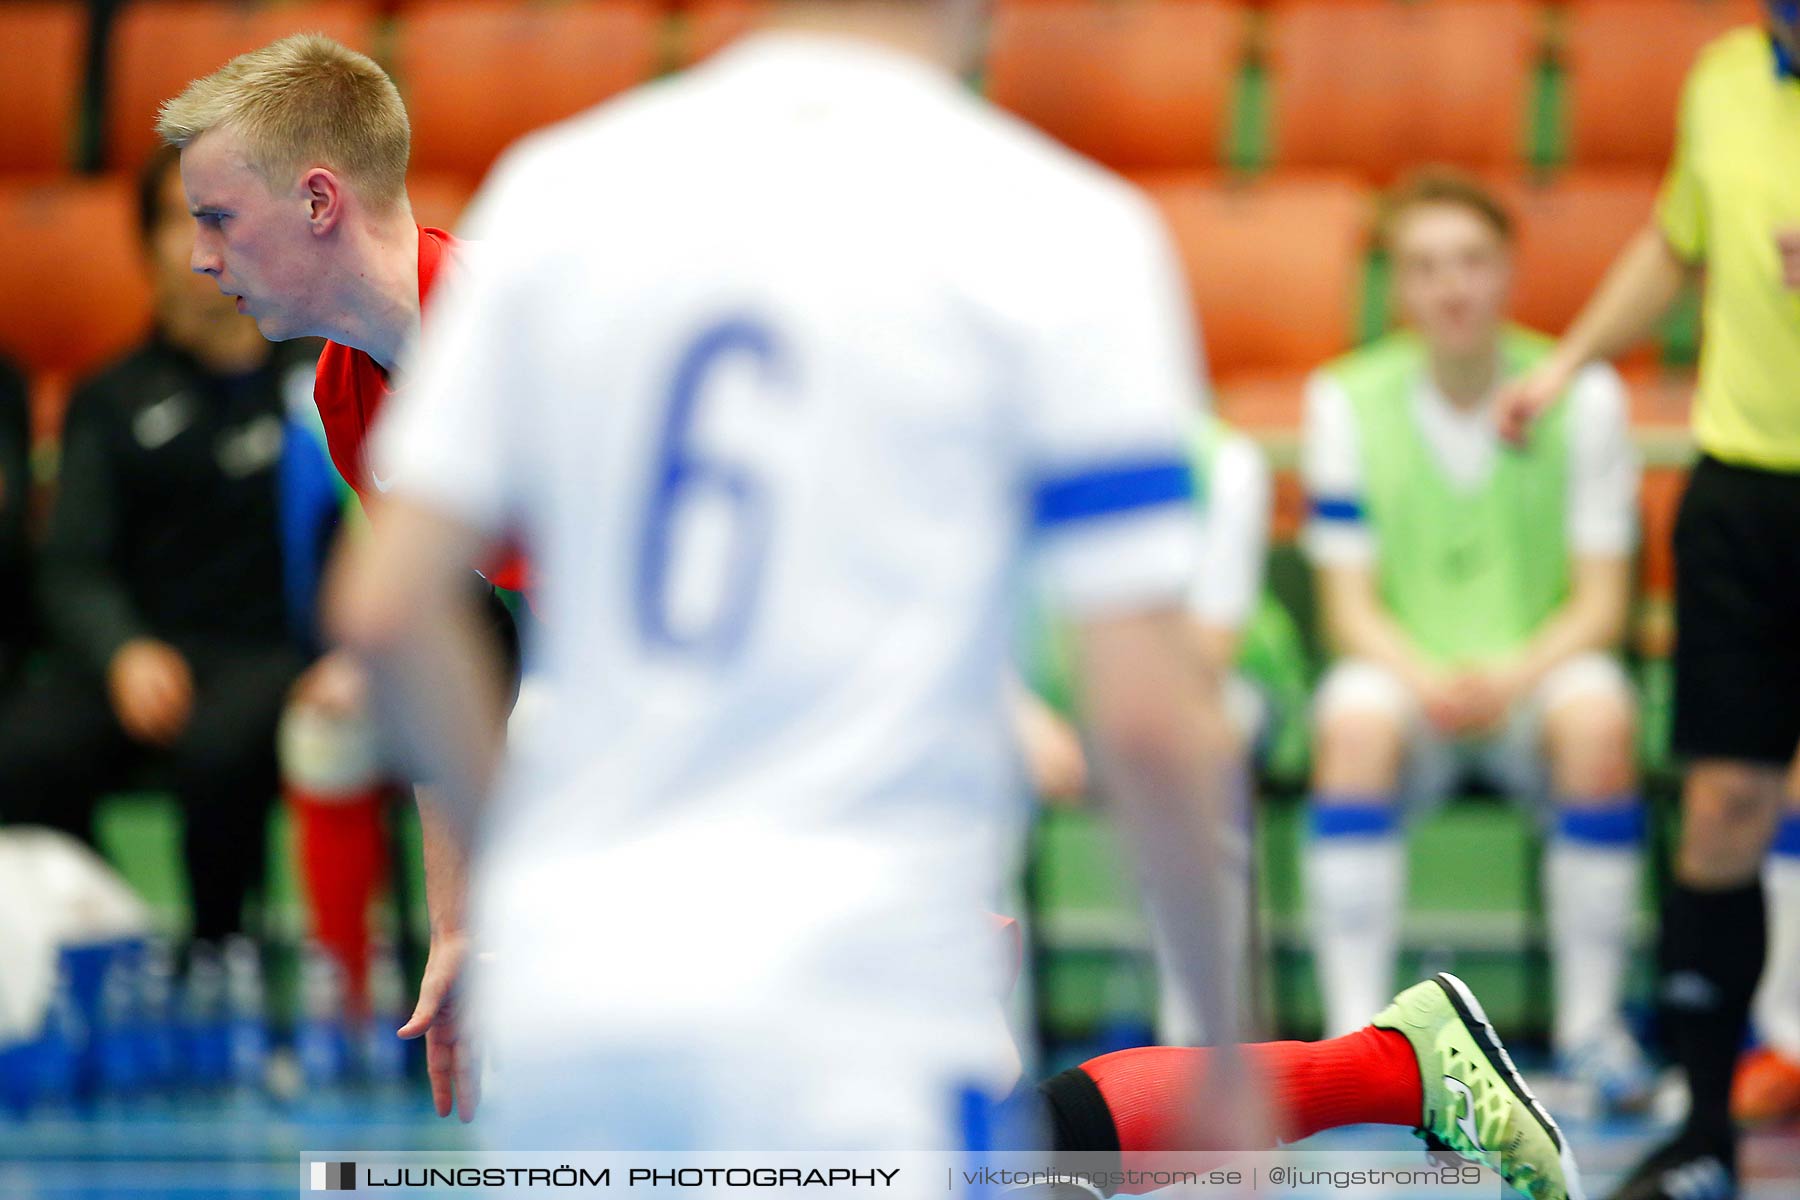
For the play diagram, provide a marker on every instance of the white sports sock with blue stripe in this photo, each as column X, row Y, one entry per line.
column 1355, row 867
column 1592, row 870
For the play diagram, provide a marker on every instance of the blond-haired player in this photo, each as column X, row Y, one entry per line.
column 294, row 160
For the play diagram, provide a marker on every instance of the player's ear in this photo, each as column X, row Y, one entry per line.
column 324, row 195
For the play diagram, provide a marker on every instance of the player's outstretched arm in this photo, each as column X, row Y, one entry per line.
column 1639, row 287
column 399, row 599
column 1164, row 751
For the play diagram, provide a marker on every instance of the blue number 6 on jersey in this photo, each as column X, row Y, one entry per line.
column 683, row 474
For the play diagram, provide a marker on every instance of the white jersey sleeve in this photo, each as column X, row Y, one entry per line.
column 1337, row 530
column 1234, row 536
column 449, row 438
column 1113, row 382
column 1604, row 467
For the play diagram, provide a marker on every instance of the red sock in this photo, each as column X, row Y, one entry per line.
column 1367, row 1077
column 343, row 855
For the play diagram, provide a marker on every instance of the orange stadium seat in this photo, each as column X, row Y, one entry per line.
column 1569, row 232
column 1135, row 85
column 1275, row 269
column 1626, row 60
column 158, row 46
column 438, row 199
column 40, row 90
column 479, row 73
column 1659, row 500
column 76, row 290
column 1374, row 85
column 49, row 400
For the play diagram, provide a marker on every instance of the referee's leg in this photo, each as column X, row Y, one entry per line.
column 1714, row 926
column 1737, row 720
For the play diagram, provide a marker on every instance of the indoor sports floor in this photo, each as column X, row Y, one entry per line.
column 195, row 1148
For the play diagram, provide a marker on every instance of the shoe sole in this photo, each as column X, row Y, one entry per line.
column 1475, row 1019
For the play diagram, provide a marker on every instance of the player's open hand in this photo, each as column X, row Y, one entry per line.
column 1443, row 701
column 1484, row 698
column 152, row 690
column 451, row 1058
column 1521, row 401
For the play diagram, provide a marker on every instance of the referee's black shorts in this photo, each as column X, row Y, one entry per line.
column 1737, row 614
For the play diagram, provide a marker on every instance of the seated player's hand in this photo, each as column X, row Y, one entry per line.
column 451, row 1059
column 1787, row 244
column 151, row 689
column 336, row 686
column 1521, row 401
column 1484, row 698
column 1444, row 702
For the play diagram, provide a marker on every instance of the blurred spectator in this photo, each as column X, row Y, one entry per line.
column 15, row 496
column 163, row 582
column 1474, row 596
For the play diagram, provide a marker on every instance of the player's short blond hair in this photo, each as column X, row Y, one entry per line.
column 301, row 101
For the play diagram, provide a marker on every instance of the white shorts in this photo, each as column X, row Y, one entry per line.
column 1512, row 759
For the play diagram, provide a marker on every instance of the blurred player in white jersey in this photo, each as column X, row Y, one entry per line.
column 780, row 366
column 776, row 370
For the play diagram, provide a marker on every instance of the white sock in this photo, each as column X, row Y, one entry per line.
column 1355, row 888
column 1592, row 894
column 1777, row 1006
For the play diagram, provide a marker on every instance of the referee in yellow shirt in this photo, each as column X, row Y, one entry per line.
column 1731, row 205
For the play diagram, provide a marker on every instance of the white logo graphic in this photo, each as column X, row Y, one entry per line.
column 156, row 426
column 1466, row 1122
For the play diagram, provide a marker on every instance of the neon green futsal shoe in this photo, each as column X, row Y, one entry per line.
column 1475, row 1102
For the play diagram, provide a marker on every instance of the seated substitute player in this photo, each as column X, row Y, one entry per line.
column 294, row 158
column 1474, row 597
column 779, row 497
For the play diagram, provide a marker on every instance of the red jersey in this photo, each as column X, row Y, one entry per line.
column 349, row 387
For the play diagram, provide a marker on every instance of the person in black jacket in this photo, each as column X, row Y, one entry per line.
column 15, row 496
column 162, row 580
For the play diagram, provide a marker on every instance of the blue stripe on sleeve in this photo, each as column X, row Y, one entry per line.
column 1337, row 508
column 1110, row 490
